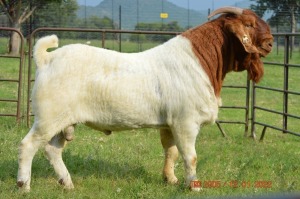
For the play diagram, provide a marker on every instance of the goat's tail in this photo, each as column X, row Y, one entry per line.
column 40, row 54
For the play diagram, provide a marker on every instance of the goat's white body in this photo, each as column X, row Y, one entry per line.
column 164, row 87
column 116, row 91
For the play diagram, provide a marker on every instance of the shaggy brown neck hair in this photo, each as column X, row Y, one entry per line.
column 219, row 52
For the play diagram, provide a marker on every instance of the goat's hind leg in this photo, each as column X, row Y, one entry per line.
column 27, row 149
column 171, row 155
column 54, row 150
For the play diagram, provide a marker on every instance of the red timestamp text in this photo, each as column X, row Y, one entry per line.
column 263, row 184
column 233, row 184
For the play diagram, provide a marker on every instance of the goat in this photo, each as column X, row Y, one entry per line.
column 174, row 87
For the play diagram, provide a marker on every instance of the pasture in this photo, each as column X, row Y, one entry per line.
column 129, row 164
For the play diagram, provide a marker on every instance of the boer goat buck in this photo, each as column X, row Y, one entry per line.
column 174, row 87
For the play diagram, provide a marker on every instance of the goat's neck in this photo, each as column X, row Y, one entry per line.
column 212, row 47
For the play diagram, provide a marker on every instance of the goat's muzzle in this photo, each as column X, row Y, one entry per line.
column 266, row 47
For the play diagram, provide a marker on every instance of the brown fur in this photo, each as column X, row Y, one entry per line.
column 231, row 43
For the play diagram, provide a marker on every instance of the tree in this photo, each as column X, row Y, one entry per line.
column 16, row 16
column 96, row 22
column 283, row 11
column 56, row 14
column 17, row 12
column 171, row 26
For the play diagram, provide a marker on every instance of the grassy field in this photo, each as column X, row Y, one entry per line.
column 129, row 164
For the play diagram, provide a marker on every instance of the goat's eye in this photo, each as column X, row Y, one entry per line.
column 248, row 25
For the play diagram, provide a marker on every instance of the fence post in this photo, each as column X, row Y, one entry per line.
column 29, row 78
column 286, row 83
column 247, row 106
column 253, row 104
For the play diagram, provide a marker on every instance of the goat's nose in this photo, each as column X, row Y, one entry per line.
column 270, row 44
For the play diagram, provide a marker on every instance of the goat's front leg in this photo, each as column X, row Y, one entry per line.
column 185, row 137
column 54, row 150
column 171, row 155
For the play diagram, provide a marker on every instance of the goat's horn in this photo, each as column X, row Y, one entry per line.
column 234, row 10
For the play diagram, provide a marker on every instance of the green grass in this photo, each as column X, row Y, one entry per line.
column 129, row 164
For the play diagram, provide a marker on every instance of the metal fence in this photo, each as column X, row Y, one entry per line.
column 290, row 94
column 15, row 96
column 251, row 107
column 246, row 107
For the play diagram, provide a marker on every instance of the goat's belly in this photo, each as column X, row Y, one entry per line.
column 108, row 128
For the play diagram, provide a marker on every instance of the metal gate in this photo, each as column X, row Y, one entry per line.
column 6, row 80
column 285, row 90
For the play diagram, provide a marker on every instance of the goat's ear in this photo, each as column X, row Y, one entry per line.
column 241, row 31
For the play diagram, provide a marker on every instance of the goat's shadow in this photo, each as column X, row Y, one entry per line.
column 81, row 167
column 101, row 168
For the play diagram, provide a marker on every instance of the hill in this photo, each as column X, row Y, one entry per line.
column 147, row 12
column 133, row 12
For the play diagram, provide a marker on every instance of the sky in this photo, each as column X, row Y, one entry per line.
column 192, row 4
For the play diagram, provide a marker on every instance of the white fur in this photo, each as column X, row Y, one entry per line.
column 42, row 57
column 164, row 87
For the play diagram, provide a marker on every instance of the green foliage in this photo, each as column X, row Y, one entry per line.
column 172, row 26
column 95, row 22
column 277, row 6
column 283, row 12
column 17, row 11
column 55, row 14
column 40, row 13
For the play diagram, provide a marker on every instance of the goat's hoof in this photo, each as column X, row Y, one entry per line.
column 67, row 186
column 107, row 132
column 20, row 184
column 23, row 187
column 61, row 182
column 171, row 180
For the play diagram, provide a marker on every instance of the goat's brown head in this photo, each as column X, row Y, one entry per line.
column 253, row 35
